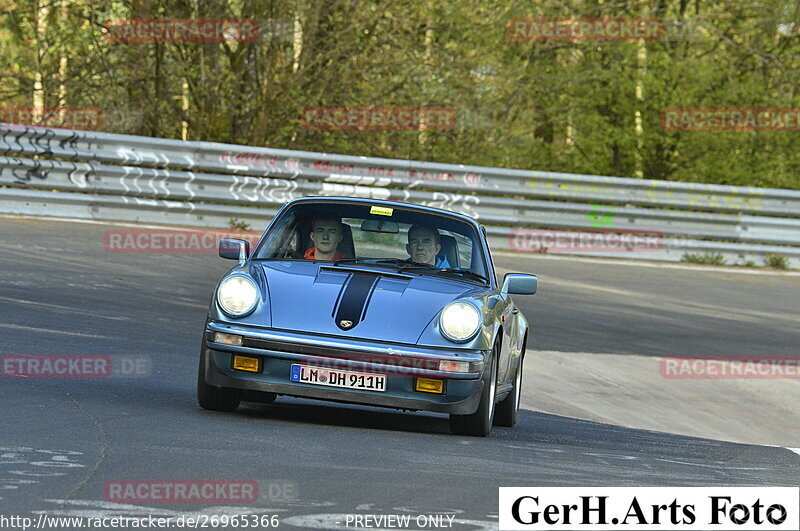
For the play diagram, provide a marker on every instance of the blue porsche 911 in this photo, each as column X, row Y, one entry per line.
column 368, row 302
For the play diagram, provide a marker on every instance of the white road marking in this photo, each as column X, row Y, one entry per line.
column 21, row 455
column 612, row 456
column 703, row 465
column 795, row 450
column 58, row 462
column 65, row 309
column 50, row 331
column 13, row 484
column 36, row 474
column 59, row 452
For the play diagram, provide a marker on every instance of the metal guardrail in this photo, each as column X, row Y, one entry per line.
column 121, row 177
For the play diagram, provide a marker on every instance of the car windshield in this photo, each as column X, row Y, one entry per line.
column 377, row 235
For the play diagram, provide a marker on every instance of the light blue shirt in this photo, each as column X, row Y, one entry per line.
column 440, row 262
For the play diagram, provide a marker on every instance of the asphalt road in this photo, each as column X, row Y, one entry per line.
column 62, row 440
column 603, row 329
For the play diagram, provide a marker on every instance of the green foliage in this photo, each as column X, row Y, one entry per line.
column 707, row 258
column 237, row 224
column 554, row 106
column 776, row 261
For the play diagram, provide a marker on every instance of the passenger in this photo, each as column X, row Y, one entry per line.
column 424, row 244
column 326, row 233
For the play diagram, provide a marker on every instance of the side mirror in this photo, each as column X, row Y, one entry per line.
column 233, row 249
column 520, row 284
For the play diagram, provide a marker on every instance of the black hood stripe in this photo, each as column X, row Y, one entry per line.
column 341, row 293
column 352, row 303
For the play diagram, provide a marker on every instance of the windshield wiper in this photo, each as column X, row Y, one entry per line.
column 408, row 266
column 466, row 273
column 338, row 261
column 403, row 264
column 397, row 261
column 432, row 268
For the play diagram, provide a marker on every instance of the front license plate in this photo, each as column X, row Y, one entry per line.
column 336, row 378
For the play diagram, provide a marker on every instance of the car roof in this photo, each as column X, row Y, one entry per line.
column 384, row 202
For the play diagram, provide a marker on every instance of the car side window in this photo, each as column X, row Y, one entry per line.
column 464, row 249
column 285, row 240
column 492, row 272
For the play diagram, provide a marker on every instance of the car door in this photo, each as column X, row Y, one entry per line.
column 507, row 322
column 512, row 326
column 503, row 312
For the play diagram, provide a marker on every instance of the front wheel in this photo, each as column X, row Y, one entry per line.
column 214, row 398
column 508, row 410
column 479, row 424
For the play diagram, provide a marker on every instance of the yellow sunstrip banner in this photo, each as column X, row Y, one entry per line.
column 381, row 211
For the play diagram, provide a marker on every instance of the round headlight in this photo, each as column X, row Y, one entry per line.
column 459, row 321
column 237, row 295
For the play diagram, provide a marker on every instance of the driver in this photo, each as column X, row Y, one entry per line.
column 326, row 233
column 424, row 244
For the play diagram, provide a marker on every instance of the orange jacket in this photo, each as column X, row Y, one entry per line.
column 313, row 251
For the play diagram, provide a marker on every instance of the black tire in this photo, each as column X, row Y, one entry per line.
column 508, row 410
column 479, row 424
column 260, row 397
column 214, row 398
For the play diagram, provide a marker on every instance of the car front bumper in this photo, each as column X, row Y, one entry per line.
column 402, row 364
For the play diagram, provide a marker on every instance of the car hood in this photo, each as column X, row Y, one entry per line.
column 380, row 305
